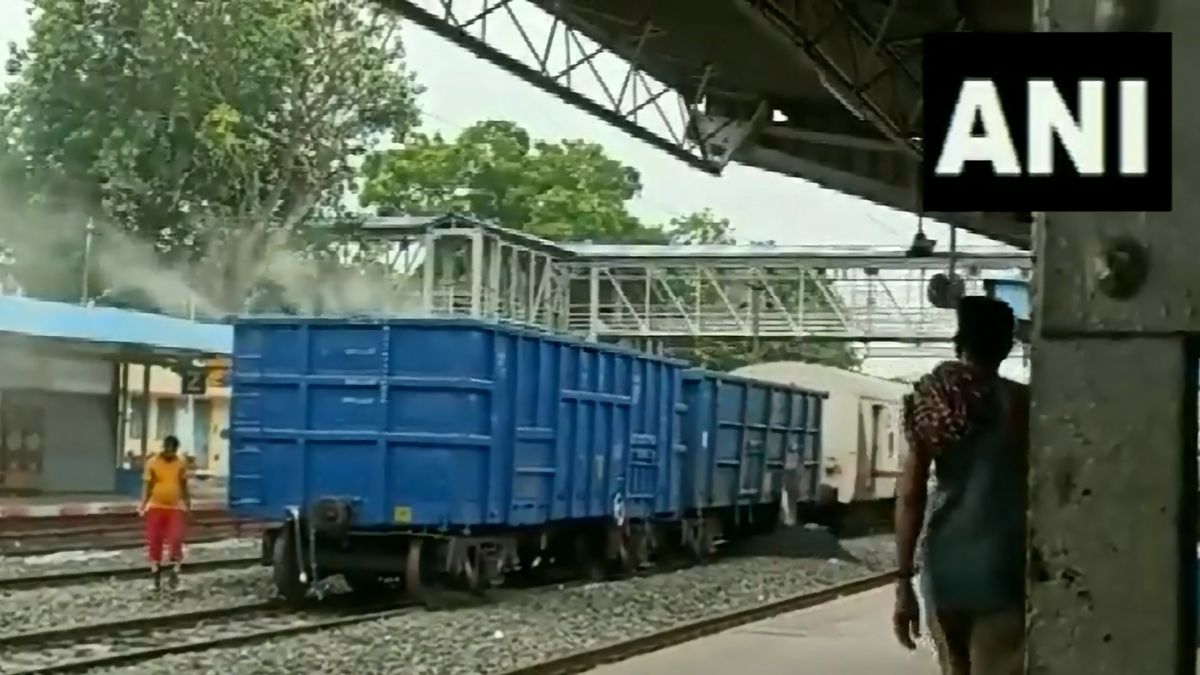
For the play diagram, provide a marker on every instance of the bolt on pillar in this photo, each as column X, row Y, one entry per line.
column 1113, row 466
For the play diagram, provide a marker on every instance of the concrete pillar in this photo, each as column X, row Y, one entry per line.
column 477, row 244
column 593, row 303
column 121, row 387
column 1113, row 464
column 146, row 428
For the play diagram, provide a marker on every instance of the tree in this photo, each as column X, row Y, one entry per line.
column 215, row 131
column 701, row 227
column 704, row 227
column 564, row 191
column 493, row 170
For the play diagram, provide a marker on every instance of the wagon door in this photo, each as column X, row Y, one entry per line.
column 874, row 426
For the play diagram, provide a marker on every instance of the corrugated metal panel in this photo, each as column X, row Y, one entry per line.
column 745, row 437
column 427, row 422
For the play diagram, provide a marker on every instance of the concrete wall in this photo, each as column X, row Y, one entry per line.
column 80, row 443
column 69, row 441
column 59, row 414
column 24, row 369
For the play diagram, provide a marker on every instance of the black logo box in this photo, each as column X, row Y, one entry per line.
column 1010, row 60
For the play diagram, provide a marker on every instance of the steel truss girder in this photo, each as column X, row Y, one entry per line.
column 876, row 79
column 1113, row 474
column 455, row 267
column 694, row 298
column 633, row 101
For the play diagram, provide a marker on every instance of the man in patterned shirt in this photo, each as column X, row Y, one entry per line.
column 970, row 426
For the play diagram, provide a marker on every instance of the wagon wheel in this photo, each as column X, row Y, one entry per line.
column 532, row 563
column 474, row 577
column 696, row 546
column 285, row 568
column 415, row 570
column 700, row 544
column 627, row 546
column 589, row 557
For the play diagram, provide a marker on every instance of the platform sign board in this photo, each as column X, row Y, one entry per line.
column 193, row 381
column 1019, row 122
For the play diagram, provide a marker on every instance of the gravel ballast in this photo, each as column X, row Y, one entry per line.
column 526, row 627
column 82, row 560
column 116, row 599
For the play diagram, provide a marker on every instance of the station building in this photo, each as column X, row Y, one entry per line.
column 67, row 410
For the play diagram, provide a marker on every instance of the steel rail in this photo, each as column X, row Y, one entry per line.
column 234, row 633
column 148, row 622
column 125, row 543
column 84, row 576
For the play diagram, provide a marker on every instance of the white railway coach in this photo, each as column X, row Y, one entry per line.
column 862, row 441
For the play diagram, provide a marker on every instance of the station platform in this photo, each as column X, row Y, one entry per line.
column 849, row 636
column 205, row 497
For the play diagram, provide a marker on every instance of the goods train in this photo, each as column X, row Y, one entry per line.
column 450, row 452
column 862, row 444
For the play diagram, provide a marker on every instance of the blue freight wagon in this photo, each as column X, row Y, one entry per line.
column 752, row 447
column 445, row 448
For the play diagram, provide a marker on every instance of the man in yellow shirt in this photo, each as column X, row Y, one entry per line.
column 165, row 503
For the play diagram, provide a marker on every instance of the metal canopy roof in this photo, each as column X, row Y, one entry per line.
column 826, row 90
column 106, row 332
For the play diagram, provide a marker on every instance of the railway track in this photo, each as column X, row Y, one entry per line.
column 99, row 574
column 588, row 659
column 83, row 647
column 113, row 533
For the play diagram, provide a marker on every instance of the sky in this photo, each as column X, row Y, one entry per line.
column 462, row 89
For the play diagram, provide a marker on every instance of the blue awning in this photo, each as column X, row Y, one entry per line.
column 122, row 329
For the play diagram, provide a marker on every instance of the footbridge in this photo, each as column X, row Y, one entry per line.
column 458, row 266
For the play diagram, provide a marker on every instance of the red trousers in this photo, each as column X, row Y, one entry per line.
column 164, row 526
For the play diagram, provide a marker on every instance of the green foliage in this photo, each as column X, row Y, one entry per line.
column 565, row 191
column 571, row 190
column 212, row 129
column 702, row 227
